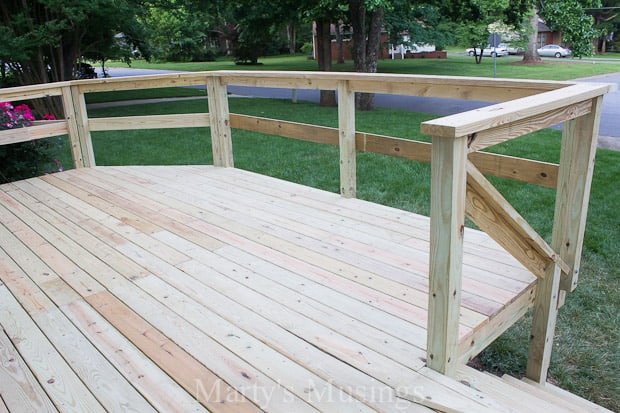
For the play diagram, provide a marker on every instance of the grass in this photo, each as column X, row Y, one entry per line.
column 507, row 67
column 586, row 358
column 453, row 66
column 165, row 92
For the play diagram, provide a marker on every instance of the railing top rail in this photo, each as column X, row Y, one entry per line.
column 423, row 85
column 390, row 77
column 495, row 116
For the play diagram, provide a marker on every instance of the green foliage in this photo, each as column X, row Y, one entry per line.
column 44, row 38
column 569, row 17
column 28, row 159
column 179, row 32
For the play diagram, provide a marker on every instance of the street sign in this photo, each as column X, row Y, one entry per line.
column 495, row 39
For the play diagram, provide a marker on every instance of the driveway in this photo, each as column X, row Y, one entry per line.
column 609, row 134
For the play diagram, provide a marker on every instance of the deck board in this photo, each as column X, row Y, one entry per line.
column 232, row 291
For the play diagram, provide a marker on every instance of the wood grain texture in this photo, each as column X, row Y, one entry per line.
column 346, row 140
column 19, row 389
column 58, row 380
column 72, row 127
column 492, row 213
column 180, row 365
column 496, row 116
column 525, row 170
column 36, row 131
column 81, row 122
column 221, row 137
column 543, row 325
column 489, row 137
column 447, row 223
column 579, row 142
column 179, row 120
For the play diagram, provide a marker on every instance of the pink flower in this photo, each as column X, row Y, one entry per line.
column 47, row 116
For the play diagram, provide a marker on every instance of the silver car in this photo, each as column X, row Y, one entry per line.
column 553, row 50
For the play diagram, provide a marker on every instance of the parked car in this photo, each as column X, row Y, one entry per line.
column 84, row 71
column 498, row 51
column 515, row 50
column 553, row 50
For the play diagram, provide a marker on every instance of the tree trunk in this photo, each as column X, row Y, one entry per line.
column 324, row 55
column 339, row 44
column 292, row 37
column 366, row 27
column 531, row 55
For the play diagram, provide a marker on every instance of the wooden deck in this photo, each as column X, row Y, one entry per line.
column 196, row 287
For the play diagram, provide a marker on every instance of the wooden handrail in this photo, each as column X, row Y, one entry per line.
column 457, row 166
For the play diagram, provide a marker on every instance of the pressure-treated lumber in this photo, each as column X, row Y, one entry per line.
column 519, row 169
column 33, row 91
column 490, row 137
column 579, row 142
column 543, row 324
column 141, row 82
column 179, row 120
column 455, row 87
column 346, row 139
column 221, row 136
column 68, row 105
column 39, row 130
column 491, row 212
column 475, row 121
column 19, row 389
column 446, row 252
column 79, row 133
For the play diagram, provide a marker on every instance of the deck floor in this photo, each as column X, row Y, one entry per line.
column 194, row 287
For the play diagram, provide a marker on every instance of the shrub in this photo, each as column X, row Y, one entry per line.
column 26, row 159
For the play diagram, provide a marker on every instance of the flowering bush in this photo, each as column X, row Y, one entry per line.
column 15, row 117
column 26, row 159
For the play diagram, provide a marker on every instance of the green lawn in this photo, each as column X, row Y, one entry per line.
column 507, row 67
column 453, row 66
column 586, row 359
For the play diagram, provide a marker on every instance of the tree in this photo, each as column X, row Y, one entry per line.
column 46, row 37
column 474, row 18
column 606, row 22
column 569, row 17
column 366, row 17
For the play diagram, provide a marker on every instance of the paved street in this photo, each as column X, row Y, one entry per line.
column 610, row 120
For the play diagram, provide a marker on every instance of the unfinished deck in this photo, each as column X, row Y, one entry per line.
column 155, row 286
column 209, row 288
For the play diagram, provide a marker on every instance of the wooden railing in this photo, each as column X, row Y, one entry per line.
column 458, row 185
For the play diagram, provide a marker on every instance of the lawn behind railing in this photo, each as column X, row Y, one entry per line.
column 454, row 65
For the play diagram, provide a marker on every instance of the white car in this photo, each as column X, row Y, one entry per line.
column 498, row 51
column 553, row 50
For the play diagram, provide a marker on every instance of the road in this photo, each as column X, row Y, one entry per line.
column 610, row 120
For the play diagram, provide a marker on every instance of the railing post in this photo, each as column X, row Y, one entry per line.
column 221, row 136
column 74, row 106
column 579, row 142
column 447, row 219
column 571, row 207
column 346, row 140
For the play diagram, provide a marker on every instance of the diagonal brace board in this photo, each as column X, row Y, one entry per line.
column 493, row 214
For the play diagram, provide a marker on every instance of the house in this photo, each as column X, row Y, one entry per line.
column 546, row 35
column 388, row 50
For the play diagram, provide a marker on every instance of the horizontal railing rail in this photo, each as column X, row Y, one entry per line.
column 458, row 184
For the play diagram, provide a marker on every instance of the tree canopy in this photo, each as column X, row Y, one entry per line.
column 44, row 38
